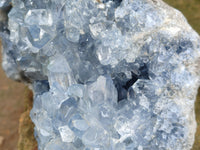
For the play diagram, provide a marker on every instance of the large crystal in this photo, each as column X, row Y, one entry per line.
column 106, row 74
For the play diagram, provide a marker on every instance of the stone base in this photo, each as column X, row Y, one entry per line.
column 26, row 127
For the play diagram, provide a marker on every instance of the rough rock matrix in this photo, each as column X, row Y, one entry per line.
column 106, row 74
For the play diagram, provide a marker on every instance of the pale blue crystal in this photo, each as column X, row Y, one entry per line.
column 4, row 3
column 106, row 75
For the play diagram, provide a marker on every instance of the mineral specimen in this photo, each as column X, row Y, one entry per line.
column 106, row 74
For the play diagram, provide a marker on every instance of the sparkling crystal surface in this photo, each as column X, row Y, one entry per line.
column 106, row 74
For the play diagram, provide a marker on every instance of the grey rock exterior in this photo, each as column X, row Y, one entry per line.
column 107, row 74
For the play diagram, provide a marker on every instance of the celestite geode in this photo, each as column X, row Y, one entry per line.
column 106, row 74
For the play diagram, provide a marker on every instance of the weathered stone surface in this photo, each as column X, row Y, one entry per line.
column 196, row 145
column 26, row 127
column 106, row 74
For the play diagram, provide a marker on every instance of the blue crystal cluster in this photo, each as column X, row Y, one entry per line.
column 106, row 74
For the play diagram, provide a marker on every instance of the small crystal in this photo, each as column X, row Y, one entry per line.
column 66, row 134
column 38, row 17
